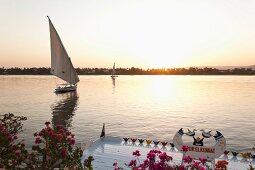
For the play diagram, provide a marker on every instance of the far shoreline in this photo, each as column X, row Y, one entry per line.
column 136, row 71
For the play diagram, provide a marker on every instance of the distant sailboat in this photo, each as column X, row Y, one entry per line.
column 113, row 72
column 61, row 65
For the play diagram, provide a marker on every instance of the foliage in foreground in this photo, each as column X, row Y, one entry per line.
column 158, row 160
column 54, row 148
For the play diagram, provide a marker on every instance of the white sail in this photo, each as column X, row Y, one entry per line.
column 61, row 65
column 113, row 70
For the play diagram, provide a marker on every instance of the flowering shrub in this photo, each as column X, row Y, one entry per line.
column 12, row 150
column 158, row 160
column 54, row 148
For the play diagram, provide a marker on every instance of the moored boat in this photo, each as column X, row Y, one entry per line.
column 108, row 149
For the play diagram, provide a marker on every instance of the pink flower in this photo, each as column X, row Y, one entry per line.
column 50, row 133
column 185, row 148
column 160, row 166
column 42, row 132
column 164, row 157
column 49, row 129
column 195, row 164
column 59, row 137
column 146, row 162
column 151, row 155
column 182, row 167
column 61, row 131
column 64, row 153
column 132, row 163
column 72, row 141
column 115, row 164
column 155, row 151
column 203, row 160
column 69, row 140
column 202, row 168
column 38, row 140
column 187, row 159
column 137, row 153
column 17, row 154
column 68, row 133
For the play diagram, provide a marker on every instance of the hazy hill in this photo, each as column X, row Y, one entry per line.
column 229, row 67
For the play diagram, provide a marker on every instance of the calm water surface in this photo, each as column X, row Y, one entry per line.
column 152, row 107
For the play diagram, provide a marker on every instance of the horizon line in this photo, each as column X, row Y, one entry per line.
column 217, row 67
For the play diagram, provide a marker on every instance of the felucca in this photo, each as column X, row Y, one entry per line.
column 61, row 65
column 113, row 71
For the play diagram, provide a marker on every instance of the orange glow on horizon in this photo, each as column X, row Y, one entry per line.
column 143, row 34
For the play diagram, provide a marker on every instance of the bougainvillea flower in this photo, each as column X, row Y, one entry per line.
column 187, row 159
column 132, row 163
column 136, row 153
column 151, row 155
column 182, row 167
column 203, row 160
column 195, row 164
column 202, row 168
column 64, row 153
column 38, row 140
column 61, row 131
column 164, row 157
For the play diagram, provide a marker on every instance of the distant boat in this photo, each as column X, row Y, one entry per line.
column 61, row 65
column 113, row 72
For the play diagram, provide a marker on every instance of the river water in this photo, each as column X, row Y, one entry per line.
column 151, row 107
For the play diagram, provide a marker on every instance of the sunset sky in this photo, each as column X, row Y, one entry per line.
column 139, row 33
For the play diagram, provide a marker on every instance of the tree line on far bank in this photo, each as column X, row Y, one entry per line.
column 133, row 71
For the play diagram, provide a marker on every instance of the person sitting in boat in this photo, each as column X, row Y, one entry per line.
column 198, row 141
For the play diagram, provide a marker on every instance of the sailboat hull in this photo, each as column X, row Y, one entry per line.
column 65, row 88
